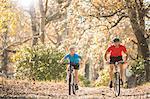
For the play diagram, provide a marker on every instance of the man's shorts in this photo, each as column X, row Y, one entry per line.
column 113, row 60
column 75, row 65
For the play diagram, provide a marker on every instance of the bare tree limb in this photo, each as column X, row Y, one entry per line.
column 118, row 21
column 15, row 44
column 148, row 36
column 132, row 57
column 51, row 40
column 8, row 50
column 134, row 42
column 147, row 16
column 112, row 14
column 55, row 16
column 18, row 43
column 58, row 14
column 141, row 2
column 67, row 4
column 94, row 16
column 46, row 6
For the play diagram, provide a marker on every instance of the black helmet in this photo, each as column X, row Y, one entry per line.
column 116, row 40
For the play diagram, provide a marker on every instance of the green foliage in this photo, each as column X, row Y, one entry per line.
column 137, row 69
column 84, row 81
column 40, row 63
column 103, row 78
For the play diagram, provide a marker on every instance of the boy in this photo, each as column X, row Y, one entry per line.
column 74, row 60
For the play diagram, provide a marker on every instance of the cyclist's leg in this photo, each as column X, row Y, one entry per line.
column 111, row 69
column 119, row 58
column 76, row 67
column 76, row 76
column 122, row 71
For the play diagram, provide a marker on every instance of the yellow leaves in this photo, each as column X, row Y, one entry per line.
column 15, row 57
column 7, row 17
column 108, row 4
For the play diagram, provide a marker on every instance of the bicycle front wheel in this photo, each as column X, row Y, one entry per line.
column 117, row 83
column 69, row 84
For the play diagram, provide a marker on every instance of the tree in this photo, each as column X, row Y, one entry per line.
column 7, row 27
column 35, row 33
column 137, row 14
column 136, row 11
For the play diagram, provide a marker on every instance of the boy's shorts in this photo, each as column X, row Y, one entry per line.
column 76, row 66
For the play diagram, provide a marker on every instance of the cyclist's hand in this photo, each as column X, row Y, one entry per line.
column 80, row 62
column 125, row 61
column 107, row 62
column 61, row 62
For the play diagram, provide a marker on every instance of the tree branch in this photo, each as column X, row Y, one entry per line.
column 67, row 4
column 112, row 14
column 148, row 36
column 132, row 57
column 118, row 21
column 94, row 16
column 46, row 6
column 51, row 40
column 58, row 14
column 134, row 42
column 8, row 50
column 147, row 16
column 55, row 16
column 19, row 43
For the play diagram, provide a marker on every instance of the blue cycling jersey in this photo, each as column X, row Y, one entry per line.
column 73, row 59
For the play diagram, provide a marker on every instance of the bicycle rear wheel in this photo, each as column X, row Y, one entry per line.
column 73, row 88
column 117, row 83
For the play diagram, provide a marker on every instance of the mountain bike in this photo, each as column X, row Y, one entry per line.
column 117, row 78
column 71, row 78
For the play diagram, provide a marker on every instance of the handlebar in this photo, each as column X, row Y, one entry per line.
column 119, row 62
column 69, row 64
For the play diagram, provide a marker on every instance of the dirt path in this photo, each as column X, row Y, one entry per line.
column 46, row 90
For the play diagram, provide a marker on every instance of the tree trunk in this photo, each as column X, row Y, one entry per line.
column 139, row 33
column 35, row 34
column 42, row 23
column 87, row 70
column 4, row 49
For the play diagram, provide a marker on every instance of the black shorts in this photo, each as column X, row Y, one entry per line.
column 76, row 66
column 115, row 59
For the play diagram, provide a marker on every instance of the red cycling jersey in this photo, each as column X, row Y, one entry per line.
column 116, row 51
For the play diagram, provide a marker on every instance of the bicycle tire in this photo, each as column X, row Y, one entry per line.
column 73, row 89
column 117, row 84
column 69, row 84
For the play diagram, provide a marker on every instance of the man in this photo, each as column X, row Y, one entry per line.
column 74, row 60
column 116, row 52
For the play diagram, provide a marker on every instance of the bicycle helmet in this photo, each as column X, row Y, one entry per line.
column 116, row 40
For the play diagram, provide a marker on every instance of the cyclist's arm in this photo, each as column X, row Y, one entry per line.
column 64, row 58
column 125, row 52
column 107, row 52
column 126, row 58
column 105, row 56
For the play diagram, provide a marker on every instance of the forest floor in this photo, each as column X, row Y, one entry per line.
column 15, row 89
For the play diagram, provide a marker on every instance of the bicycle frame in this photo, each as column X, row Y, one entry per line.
column 117, row 68
column 71, row 72
column 117, row 78
column 71, row 80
